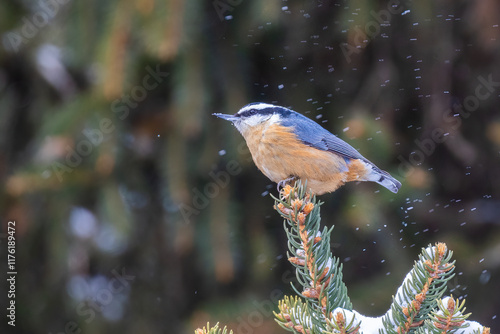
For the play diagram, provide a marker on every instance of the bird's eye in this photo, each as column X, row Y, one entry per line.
column 247, row 113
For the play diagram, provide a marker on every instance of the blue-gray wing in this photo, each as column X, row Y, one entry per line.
column 313, row 134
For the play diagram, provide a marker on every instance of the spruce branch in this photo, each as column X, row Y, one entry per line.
column 294, row 316
column 482, row 330
column 318, row 272
column 325, row 307
column 213, row 330
column 322, row 305
column 340, row 324
column 448, row 318
column 421, row 289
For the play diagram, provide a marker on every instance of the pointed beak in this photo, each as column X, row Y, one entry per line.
column 230, row 118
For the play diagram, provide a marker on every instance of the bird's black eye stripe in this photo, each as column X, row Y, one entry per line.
column 247, row 113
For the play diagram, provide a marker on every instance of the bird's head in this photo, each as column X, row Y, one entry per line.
column 254, row 114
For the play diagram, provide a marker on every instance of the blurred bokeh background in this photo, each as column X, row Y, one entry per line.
column 138, row 212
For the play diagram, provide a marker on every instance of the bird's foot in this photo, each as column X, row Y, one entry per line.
column 284, row 182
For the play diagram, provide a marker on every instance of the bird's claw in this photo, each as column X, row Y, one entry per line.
column 283, row 183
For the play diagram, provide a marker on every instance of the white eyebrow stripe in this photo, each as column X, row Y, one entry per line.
column 258, row 106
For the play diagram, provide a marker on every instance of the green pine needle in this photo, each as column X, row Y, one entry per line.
column 213, row 330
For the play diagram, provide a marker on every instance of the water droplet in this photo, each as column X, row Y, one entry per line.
column 484, row 277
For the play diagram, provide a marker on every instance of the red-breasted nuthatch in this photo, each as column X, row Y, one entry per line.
column 286, row 145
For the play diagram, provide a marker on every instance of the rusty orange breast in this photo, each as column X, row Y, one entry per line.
column 279, row 154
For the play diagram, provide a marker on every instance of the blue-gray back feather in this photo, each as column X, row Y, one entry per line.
column 313, row 134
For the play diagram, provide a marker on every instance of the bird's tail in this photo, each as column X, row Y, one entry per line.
column 389, row 182
column 384, row 179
